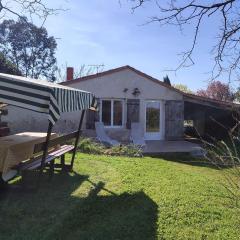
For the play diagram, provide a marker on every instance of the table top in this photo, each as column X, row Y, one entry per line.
column 19, row 147
column 24, row 137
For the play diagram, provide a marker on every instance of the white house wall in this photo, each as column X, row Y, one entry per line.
column 108, row 86
column 113, row 85
column 23, row 120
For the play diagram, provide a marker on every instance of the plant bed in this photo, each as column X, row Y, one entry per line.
column 88, row 145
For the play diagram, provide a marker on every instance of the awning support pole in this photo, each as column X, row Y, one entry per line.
column 77, row 138
column 45, row 150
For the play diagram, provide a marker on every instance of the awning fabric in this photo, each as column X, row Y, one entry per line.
column 42, row 96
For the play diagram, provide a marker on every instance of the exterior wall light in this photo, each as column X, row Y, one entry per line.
column 136, row 92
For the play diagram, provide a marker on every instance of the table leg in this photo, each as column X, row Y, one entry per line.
column 3, row 184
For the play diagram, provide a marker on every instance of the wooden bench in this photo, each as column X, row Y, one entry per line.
column 57, row 149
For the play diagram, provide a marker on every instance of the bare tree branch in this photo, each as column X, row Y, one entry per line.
column 27, row 8
column 226, row 51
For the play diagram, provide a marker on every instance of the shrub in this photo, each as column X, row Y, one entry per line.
column 125, row 150
column 87, row 145
column 225, row 155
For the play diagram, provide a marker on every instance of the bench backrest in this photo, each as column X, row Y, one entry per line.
column 55, row 142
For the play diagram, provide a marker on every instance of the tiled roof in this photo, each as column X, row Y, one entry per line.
column 187, row 96
column 115, row 70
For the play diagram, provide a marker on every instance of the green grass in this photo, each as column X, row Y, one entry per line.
column 123, row 198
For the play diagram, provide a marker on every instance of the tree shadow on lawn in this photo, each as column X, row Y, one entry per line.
column 55, row 213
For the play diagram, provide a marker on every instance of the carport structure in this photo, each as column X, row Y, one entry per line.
column 210, row 117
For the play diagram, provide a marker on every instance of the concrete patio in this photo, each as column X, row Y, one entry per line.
column 158, row 147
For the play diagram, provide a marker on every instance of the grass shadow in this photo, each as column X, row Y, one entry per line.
column 55, row 213
column 22, row 212
column 124, row 216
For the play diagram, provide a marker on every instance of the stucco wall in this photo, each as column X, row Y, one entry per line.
column 22, row 120
column 108, row 86
column 112, row 86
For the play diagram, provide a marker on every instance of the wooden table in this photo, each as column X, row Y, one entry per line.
column 17, row 148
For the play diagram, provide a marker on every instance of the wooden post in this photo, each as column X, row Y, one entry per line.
column 45, row 150
column 77, row 138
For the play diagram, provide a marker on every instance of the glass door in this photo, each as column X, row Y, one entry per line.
column 153, row 120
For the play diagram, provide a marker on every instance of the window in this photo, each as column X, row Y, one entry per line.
column 106, row 112
column 152, row 116
column 117, row 113
column 112, row 113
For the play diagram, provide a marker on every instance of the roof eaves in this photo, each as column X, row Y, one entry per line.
column 213, row 101
column 111, row 71
column 114, row 70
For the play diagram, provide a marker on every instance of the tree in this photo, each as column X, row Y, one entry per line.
column 217, row 90
column 29, row 8
column 226, row 52
column 194, row 13
column 167, row 80
column 8, row 67
column 237, row 95
column 183, row 88
column 28, row 47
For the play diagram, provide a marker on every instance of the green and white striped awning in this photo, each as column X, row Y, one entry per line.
column 44, row 97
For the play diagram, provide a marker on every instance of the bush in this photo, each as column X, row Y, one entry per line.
column 87, row 145
column 225, row 155
column 124, row 150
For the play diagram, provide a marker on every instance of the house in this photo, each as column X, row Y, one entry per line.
column 127, row 95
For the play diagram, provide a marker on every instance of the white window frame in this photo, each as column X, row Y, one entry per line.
column 112, row 112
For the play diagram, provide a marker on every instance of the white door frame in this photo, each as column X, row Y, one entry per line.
column 161, row 133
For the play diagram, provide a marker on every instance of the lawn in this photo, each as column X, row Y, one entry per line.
column 123, row 198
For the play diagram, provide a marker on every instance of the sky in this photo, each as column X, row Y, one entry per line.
column 106, row 32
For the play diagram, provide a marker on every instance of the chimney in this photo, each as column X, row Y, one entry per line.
column 70, row 71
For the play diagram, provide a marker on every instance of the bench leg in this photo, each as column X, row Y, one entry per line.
column 63, row 161
column 51, row 169
column 65, row 167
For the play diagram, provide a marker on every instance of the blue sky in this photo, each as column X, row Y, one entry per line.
column 103, row 32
